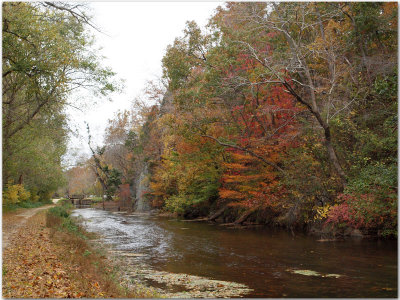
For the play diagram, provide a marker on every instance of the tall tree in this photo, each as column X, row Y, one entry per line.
column 46, row 55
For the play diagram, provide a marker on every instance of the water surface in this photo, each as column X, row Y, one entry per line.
column 265, row 260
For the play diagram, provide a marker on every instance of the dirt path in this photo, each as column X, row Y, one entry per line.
column 42, row 261
column 14, row 221
column 33, row 265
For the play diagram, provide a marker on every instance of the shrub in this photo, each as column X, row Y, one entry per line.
column 69, row 225
column 364, row 211
column 34, row 195
column 176, row 203
column 45, row 196
column 66, row 204
column 15, row 193
column 59, row 211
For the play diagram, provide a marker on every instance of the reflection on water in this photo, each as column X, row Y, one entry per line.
column 262, row 259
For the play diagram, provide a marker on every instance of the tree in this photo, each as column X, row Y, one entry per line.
column 293, row 29
column 119, row 137
column 46, row 55
column 218, row 101
column 81, row 180
column 109, row 177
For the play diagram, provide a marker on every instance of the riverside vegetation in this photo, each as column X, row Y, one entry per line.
column 281, row 114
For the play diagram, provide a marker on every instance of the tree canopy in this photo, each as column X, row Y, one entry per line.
column 47, row 55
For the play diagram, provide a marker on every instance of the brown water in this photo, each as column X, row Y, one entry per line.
column 264, row 260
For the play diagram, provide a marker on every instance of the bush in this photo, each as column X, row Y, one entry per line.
column 15, row 193
column 369, row 200
column 66, row 204
column 16, row 196
column 176, row 203
column 59, row 211
column 70, row 226
column 45, row 196
column 365, row 212
column 34, row 195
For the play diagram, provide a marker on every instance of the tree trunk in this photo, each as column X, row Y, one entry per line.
column 311, row 105
column 331, row 151
column 217, row 213
column 245, row 215
column 335, row 162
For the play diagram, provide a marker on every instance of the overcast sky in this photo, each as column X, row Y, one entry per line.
column 134, row 41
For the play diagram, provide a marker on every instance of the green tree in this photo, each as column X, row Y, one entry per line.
column 47, row 54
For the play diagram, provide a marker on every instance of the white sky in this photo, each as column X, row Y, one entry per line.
column 137, row 34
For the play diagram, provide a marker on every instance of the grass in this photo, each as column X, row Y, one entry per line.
column 58, row 218
column 14, row 206
column 59, row 211
column 96, row 199
column 91, row 261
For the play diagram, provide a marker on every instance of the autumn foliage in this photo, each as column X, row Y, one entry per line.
column 282, row 112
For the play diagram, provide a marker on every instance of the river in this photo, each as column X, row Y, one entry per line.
column 268, row 263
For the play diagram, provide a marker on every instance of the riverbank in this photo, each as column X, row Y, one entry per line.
column 318, row 229
column 321, row 231
column 45, row 262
